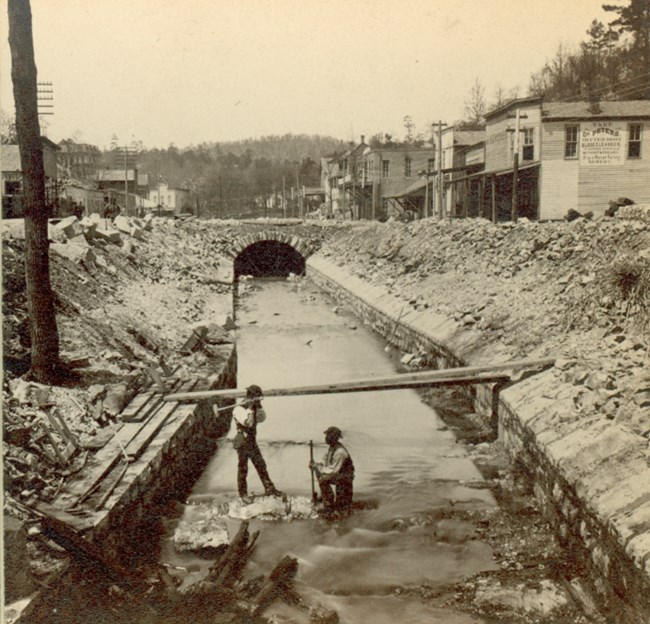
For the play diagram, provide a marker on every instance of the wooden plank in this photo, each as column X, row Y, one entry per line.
column 139, row 443
column 135, row 406
column 153, row 405
column 450, row 376
column 90, row 554
column 148, row 406
column 108, row 457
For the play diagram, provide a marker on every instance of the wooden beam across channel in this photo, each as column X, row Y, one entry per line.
column 489, row 373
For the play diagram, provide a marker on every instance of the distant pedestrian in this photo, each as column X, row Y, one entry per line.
column 335, row 471
column 247, row 416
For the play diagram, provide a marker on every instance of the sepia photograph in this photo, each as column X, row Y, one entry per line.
column 325, row 311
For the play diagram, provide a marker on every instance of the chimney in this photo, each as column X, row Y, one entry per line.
column 363, row 139
column 594, row 105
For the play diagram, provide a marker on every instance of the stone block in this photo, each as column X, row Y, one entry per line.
column 13, row 228
column 128, row 247
column 55, row 234
column 123, row 224
column 90, row 226
column 111, row 235
column 79, row 240
column 70, row 226
column 74, row 253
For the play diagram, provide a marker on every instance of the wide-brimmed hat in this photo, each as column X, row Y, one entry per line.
column 254, row 392
column 335, row 430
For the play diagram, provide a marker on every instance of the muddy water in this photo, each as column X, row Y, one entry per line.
column 409, row 469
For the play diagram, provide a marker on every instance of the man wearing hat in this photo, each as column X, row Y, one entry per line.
column 247, row 416
column 335, row 471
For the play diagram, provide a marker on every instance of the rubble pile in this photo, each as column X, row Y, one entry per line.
column 579, row 291
column 127, row 299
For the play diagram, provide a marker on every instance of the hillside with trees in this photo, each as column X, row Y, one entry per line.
column 231, row 178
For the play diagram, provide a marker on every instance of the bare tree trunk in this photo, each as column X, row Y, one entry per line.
column 40, row 300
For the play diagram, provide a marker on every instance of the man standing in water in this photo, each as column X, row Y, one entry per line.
column 247, row 416
column 335, row 471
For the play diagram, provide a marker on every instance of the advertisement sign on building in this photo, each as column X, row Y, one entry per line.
column 602, row 143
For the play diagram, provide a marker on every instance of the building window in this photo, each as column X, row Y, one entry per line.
column 571, row 142
column 12, row 187
column 431, row 162
column 408, row 167
column 528, row 152
column 634, row 141
column 385, row 168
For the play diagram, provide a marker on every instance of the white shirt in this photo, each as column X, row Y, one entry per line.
column 246, row 418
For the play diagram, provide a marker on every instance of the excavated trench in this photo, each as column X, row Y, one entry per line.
column 422, row 532
column 409, row 469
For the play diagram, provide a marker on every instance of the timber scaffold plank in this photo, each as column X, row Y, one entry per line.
column 492, row 373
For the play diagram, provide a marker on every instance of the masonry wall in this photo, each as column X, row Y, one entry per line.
column 589, row 477
column 163, row 474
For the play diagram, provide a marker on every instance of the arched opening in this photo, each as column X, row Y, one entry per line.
column 269, row 259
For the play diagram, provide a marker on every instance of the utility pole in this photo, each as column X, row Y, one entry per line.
column 426, row 195
column 515, row 167
column 284, row 199
column 126, row 183
column 441, row 213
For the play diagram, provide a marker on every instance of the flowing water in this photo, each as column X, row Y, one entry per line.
column 409, row 468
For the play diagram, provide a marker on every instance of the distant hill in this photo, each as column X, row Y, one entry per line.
column 291, row 147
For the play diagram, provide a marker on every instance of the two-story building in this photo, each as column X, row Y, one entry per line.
column 79, row 160
column 370, row 183
column 571, row 155
column 171, row 200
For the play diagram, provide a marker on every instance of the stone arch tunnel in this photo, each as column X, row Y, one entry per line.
column 269, row 258
column 271, row 252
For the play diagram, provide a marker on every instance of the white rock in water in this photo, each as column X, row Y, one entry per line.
column 267, row 505
column 200, row 527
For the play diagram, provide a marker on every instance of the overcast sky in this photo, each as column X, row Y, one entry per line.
column 189, row 71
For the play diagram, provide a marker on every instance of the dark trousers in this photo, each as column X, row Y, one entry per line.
column 251, row 451
column 342, row 483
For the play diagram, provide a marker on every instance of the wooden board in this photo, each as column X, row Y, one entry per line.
column 136, row 446
column 131, row 411
column 450, row 376
column 147, row 405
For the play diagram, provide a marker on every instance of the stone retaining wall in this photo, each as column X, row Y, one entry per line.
column 164, row 473
column 169, row 467
column 591, row 476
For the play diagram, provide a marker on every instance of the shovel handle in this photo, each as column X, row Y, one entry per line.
column 311, row 458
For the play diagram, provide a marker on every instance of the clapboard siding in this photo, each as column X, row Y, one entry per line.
column 597, row 185
column 568, row 183
column 558, row 189
column 497, row 153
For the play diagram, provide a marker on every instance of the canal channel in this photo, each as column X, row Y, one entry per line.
column 409, row 467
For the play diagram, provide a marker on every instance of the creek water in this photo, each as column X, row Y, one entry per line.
column 409, row 468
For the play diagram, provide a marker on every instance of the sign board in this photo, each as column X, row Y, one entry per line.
column 602, row 143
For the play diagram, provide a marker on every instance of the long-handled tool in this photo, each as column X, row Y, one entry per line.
column 314, row 496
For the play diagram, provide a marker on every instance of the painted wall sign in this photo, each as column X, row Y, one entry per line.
column 602, row 143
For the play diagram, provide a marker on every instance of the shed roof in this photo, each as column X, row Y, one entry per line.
column 606, row 110
column 115, row 175
column 468, row 137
